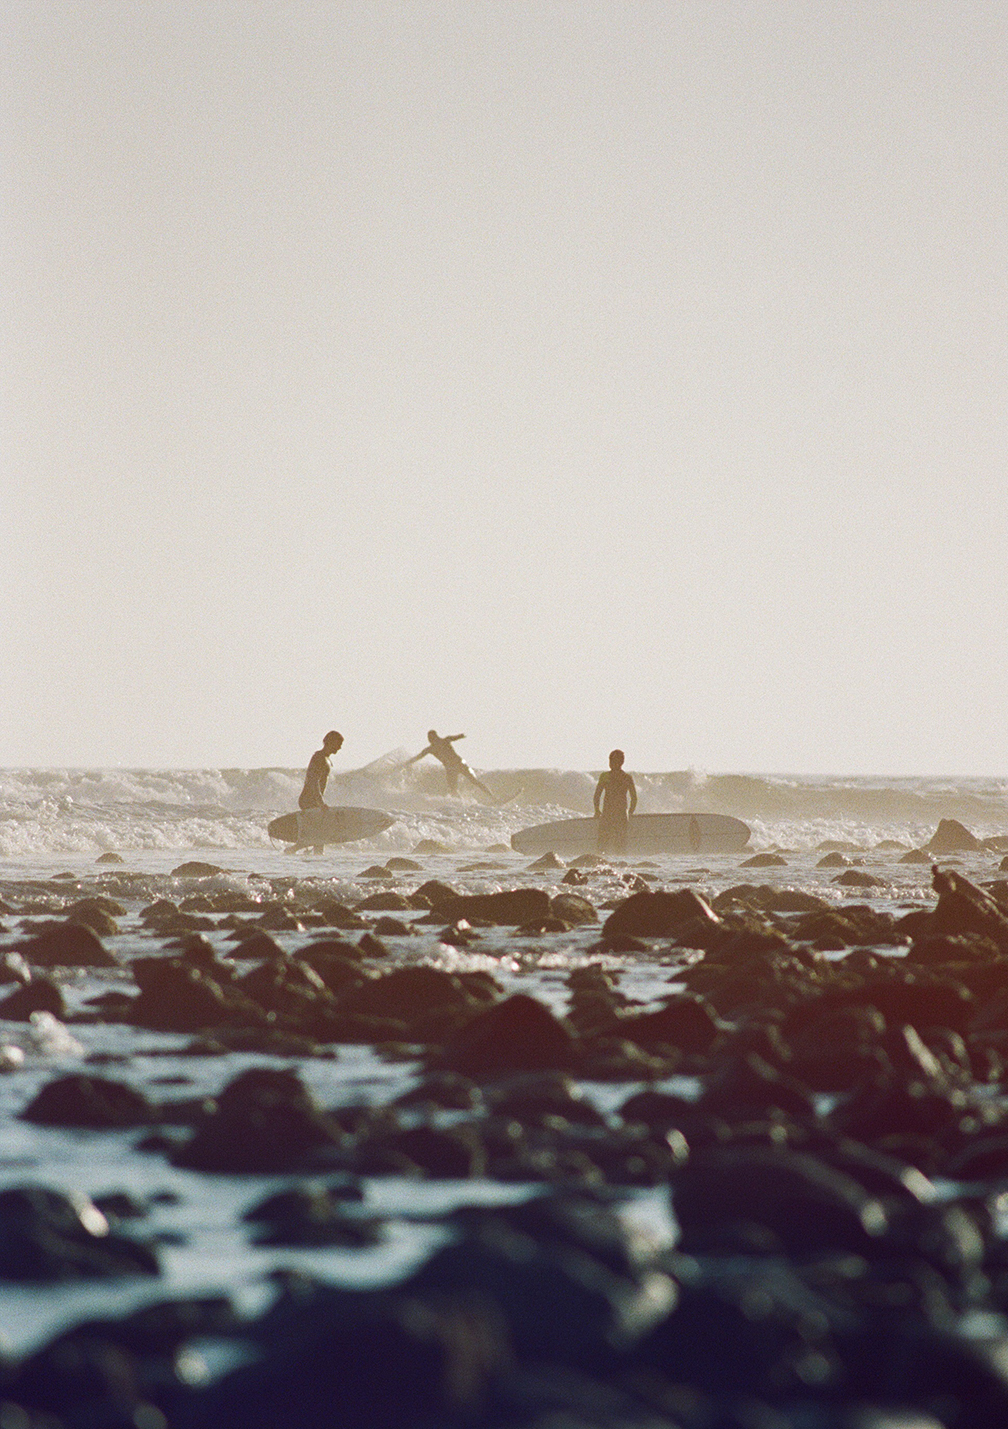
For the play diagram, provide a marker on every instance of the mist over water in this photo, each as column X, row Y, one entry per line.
column 83, row 811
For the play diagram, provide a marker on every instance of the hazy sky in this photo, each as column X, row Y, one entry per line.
column 570, row 374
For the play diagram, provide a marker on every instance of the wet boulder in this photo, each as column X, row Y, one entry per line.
column 437, row 895
column 965, row 908
column 686, row 1022
column 312, row 1215
column 48, row 1236
column 287, row 986
column 88, row 1101
column 265, row 1120
column 519, row 1034
column 177, row 997
column 453, row 1153
column 952, row 837
column 512, row 907
column 385, row 902
column 809, row 1207
column 572, row 909
column 196, row 868
column 70, row 945
column 764, row 860
column 39, row 995
column 657, row 915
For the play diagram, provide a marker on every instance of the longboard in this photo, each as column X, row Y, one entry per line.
column 648, row 833
column 314, row 827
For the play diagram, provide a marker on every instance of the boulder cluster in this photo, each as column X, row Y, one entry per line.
column 806, row 1235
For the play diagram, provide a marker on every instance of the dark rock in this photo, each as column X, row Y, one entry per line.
column 312, row 1214
column 337, row 970
column 337, row 915
column 516, row 1035
column 13, row 968
column 287, row 986
column 916, row 855
column 391, row 928
column 71, row 945
column 764, row 860
column 446, row 1091
column 810, row 1207
column 48, row 1236
column 952, row 837
column 859, row 878
column 176, row 997
column 572, row 910
column 364, row 1360
column 443, row 1153
column 548, row 860
column 511, row 908
column 256, row 944
column 387, row 902
column 685, row 1022
column 109, row 857
column 195, row 869
column 398, row 864
column 965, row 908
column 534, row 1096
column 40, row 995
column 834, row 860
column 264, row 1121
column 575, row 877
column 408, row 993
column 656, row 915
column 437, row 894
column 78, row 1100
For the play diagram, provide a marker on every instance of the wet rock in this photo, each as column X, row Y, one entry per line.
column 562, row 1304
column 572, row 910
column 442, row 1153
column 438, row 895
column 264, row 1121
column 13, row 968
column 548, row 861
column 398, row 864
column 512, row 907
column 965, row 908
column 916, row 855
column 47, row 1236
column 685, row 1022
column 387, row 902
column 290, row 987
column 834, row 860
column 88, row 1101
column 40, row 995
column 109, row 857
column 71, row 945
column 859, row 878
column 517, row 1035
column 337, row 915
column 312, row 1215
column 409, row 993
column 254, row 943
column 656, row 915
column 176, row 997
column 376, row 870
column 809, row 1207
column 575, row 877
column 379, row 1361
column 764, row 860
column 371, row 946
column 533, row 1097
column 952, row 837
column 391, row 928
column 443, row 1091
column 196, row 869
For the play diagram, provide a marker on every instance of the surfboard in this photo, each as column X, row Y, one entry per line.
column 328, row 826
column 648, row 833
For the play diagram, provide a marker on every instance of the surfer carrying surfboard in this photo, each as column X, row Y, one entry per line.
column 615, row 787
column 440, row 745
column 317, row 774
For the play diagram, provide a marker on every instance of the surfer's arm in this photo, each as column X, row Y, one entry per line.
column 632, row 789
column 451, row 738
column 598, row 794
column 428, row 750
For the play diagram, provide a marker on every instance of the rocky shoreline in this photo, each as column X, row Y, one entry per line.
column 820, row 1105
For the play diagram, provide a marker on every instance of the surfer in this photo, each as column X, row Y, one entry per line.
column 440, row 745
column 614, row 788
column 317, row 774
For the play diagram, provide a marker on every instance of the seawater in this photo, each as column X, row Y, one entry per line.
column 55, row 823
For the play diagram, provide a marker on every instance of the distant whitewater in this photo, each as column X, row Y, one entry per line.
column 52, row 811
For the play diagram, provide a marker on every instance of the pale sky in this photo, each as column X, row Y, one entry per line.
column 570, row 374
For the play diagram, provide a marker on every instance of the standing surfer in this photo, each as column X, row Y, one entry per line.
column 616, row 786
column 440, row 745
column 317, row 777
